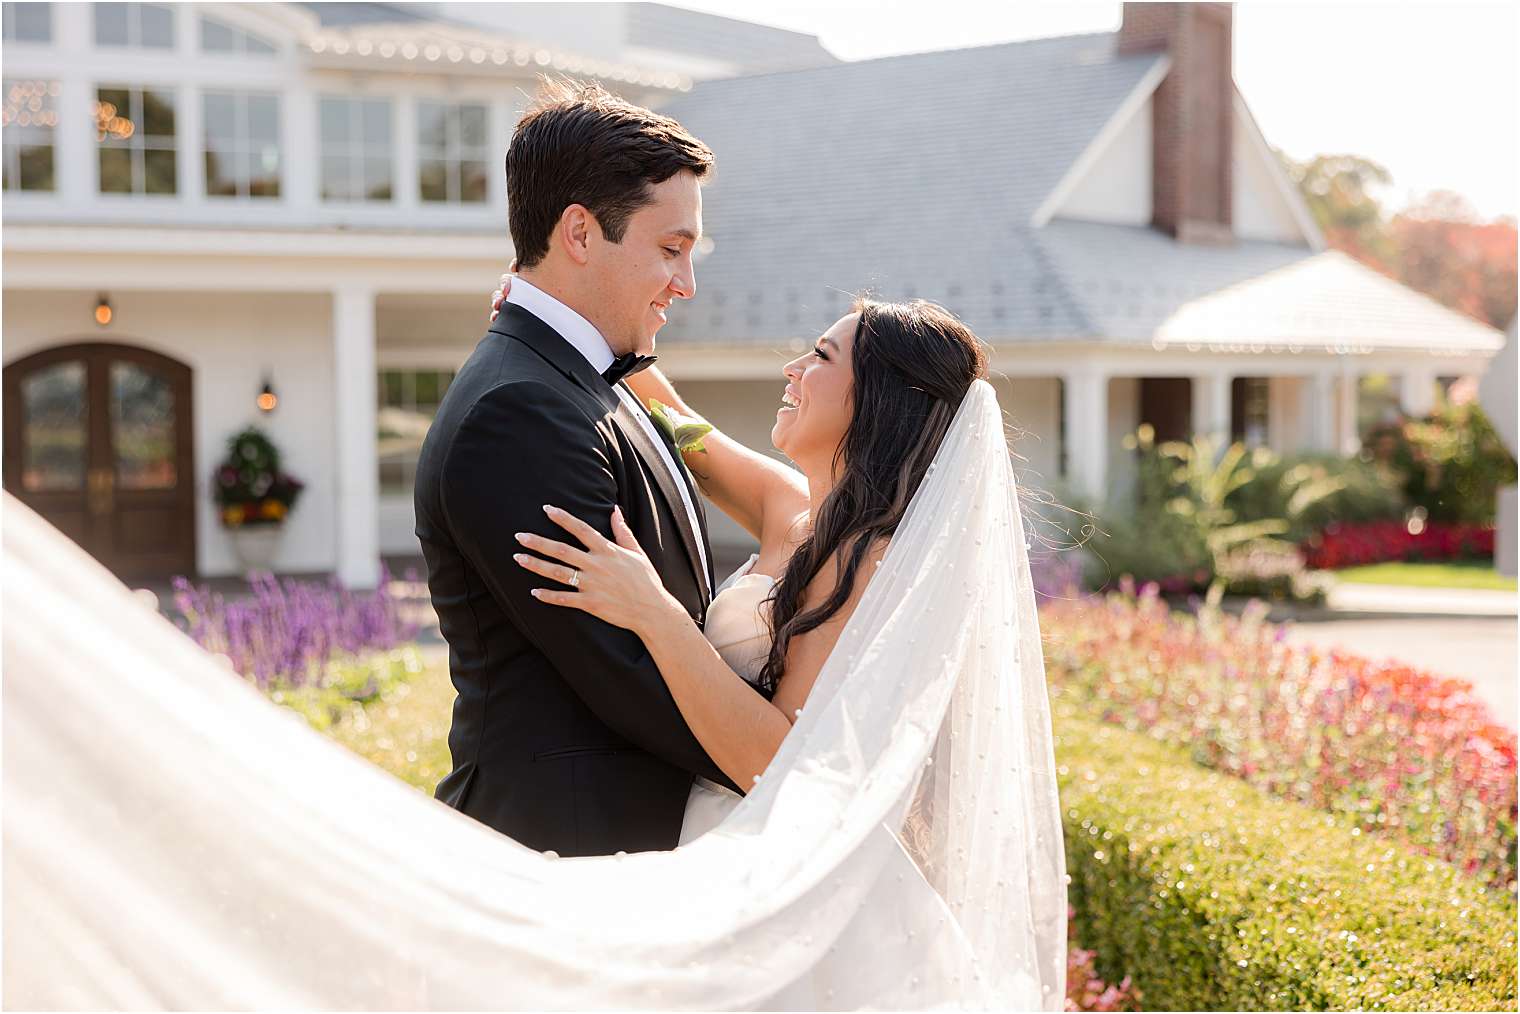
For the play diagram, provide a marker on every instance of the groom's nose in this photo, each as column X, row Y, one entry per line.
column 684, row 282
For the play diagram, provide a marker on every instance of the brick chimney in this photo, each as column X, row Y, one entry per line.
column 1194, row 112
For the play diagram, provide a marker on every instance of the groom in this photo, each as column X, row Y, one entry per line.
column 564, row 736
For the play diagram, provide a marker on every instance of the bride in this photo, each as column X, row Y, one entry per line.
column 862, row 415
column 173, row 840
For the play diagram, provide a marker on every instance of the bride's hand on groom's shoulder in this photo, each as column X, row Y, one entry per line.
column 501, row 291
column 612, row 580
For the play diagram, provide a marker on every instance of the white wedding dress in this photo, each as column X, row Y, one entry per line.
column 172, row 840
column 737, row 628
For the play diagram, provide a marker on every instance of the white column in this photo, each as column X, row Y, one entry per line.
column 1085, row 394
column 404, row 168
column 75, row 162
column 1417, row 390
column 357, row 520
column 300, row 151
column 1347, row 438
column 1319, row 409
column 1211, row 407
column 190, row 136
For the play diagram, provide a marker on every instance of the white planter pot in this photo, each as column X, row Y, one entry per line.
column 256, row 546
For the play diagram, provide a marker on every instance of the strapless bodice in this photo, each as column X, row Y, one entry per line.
column 736, row 623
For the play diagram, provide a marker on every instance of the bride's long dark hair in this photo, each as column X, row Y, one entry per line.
column 913, row 363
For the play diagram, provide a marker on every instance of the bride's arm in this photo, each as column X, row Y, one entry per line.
column 740, row 730
column 752, row 488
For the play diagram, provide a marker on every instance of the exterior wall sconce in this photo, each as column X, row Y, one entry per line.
column 267, row 400
column 102, row 310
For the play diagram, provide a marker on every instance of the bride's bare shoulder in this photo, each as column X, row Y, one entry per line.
column 832, row 572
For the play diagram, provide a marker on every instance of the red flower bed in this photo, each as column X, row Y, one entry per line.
column 1352, row 545
column 1399, row 751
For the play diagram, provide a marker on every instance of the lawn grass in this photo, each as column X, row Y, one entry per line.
column 404, row 729
column 1460, row 574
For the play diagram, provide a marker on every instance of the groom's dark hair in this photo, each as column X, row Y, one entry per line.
column 580, row 144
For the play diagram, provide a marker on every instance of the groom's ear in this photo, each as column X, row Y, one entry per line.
column 574, row 232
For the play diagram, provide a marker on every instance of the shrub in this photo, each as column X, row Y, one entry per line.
column 1186, row 534
column 1395, row 750
column 1353, row 545
column 1215, row 897
column 249, row 485
column 1355, row 490
column 1451, row 463
column 291, row 632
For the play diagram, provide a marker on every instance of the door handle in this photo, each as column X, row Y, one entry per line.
column 102, row 491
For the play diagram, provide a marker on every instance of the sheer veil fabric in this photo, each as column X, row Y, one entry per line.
column 173, row 840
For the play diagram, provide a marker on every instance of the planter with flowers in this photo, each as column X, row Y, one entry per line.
column 253, row 498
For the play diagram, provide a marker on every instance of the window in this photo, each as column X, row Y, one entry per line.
column 28, row 119
column 242, row 144
column 140, row 26
column 408, row 402
column 134, row 131
column 356, row 149
column 220, row 37
column 27, row 22
column 1250, row 410
column 451, row 152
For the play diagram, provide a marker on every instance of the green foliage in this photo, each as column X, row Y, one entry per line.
column 1311, row 490
column 1213, row 896
column 1187, row 528
column 347, row 684
column 1450, row 464
column 249, row 485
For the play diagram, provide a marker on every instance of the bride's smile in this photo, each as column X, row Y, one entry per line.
column 816, row 405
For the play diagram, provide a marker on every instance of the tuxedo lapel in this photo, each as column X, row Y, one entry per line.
column 518, row 323
column 696, row 498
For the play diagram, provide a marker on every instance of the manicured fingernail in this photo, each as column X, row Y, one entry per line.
column 549, row 510
column 519, row 557
column 534, row 592
column 522, row 537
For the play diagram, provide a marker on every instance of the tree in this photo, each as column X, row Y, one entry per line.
column 1443, row 250
column 1337, row 189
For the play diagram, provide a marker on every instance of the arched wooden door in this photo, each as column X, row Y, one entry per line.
column 98, row 441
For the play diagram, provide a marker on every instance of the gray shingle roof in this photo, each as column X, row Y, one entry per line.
column 915, row 175
column 361, row 13
column 918, row 175
column 757, row 47
column 1135, row 285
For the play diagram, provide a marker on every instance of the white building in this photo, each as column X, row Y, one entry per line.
column 310, row 196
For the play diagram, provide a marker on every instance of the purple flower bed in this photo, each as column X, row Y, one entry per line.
column 289, row 631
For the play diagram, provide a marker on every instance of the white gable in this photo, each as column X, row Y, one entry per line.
column 1117, row 187
column 1111, row 181
column 1266, row 206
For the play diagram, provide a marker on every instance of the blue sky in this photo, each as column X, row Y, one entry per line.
column 1427, row 89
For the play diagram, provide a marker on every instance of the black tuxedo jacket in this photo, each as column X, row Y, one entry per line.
column 564, row 735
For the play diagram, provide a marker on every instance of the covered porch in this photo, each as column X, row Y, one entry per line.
column 231, row 312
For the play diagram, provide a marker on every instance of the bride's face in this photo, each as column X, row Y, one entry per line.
column 817, row 404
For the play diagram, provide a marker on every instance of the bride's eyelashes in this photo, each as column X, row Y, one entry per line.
column 818, row 351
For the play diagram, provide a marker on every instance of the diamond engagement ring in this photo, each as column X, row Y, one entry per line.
column 575, row 579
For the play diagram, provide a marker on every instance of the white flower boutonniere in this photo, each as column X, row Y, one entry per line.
column 684, row 431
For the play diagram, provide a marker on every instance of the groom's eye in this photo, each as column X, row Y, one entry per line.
column 673, row 252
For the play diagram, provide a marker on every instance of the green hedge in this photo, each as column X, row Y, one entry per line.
column 1214, row 896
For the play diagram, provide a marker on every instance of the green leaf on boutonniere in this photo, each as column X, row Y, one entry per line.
column 684, row 431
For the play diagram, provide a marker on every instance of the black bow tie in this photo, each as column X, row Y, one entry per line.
column 627, row 366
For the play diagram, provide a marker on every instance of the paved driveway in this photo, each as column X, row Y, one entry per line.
column 1477, row 648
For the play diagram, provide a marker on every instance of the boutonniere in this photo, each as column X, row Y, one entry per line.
column 684, row 431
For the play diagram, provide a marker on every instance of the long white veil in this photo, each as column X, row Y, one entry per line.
column 173, row 840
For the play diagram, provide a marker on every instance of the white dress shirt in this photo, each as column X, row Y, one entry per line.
column 588, row 341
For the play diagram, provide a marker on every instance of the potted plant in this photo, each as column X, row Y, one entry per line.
column 253, row 497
